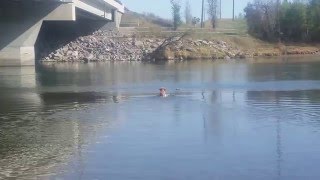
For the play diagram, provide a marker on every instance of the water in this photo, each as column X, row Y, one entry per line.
column 222, row 120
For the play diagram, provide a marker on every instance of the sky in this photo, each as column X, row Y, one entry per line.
column 162, row 7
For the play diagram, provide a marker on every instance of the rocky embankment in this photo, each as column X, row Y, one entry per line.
column 99, row 46
column 113, row 46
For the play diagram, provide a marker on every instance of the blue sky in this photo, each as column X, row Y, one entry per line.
column 162, row 7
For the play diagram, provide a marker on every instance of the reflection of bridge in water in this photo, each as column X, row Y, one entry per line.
column 41, row 131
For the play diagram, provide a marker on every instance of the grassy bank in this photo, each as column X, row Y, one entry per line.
column 234, row 33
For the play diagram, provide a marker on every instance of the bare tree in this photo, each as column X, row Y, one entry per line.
column 187, row 12
column 176, row 7
column 261, row 17
column 212, row 12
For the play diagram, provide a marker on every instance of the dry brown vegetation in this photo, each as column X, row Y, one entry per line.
column 234, row 33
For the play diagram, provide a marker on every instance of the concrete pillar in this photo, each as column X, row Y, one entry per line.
column 21, row 21
column 20, row 24
column 117, row 18
column 19, row 51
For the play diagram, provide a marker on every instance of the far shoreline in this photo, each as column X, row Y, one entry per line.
column 96, row 48
column 254, row 60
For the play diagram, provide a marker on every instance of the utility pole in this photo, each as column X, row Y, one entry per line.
column 220, row 10
column 278, row 21
column 233, row 11
column 202, row 14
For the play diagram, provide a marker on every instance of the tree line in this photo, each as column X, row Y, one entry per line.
column 212, row 10
column 297, row 20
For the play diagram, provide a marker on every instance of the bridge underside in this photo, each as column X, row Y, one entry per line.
column 21, row 21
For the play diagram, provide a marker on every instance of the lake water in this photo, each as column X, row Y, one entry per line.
column 223, row 120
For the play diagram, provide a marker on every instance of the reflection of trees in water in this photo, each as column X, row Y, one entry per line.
column 294, row 107
column 277, row 69
column 216, row 114
column 279, row 148
column 274, row 108
column 292, row 101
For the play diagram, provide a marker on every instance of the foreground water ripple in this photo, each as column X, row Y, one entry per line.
column 235, row 120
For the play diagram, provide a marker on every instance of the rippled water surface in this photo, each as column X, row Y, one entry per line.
column 232, row 120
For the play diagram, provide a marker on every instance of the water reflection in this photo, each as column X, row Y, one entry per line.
column 41, row 130
column 17, row 89
column 236, row 120
column 291, row 106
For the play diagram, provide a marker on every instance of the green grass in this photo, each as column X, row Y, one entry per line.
column 232, row 32
column 239, row 25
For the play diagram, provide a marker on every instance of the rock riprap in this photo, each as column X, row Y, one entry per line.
column 113, row 46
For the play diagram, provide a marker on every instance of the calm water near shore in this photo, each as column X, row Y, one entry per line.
column 223, row 120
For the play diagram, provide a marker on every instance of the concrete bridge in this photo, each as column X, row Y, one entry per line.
column 21, row 21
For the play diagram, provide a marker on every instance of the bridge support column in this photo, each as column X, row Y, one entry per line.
column 20, row 51
column 117, row 18
column 21, row 21
column 20, row 24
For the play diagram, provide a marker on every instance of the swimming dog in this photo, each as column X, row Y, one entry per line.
column 163, row 92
